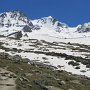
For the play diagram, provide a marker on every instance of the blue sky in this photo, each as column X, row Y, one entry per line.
column 72, row 12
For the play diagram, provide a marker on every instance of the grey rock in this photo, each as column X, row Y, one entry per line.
column 25, row 60
column 17, row 58
column 27, row 29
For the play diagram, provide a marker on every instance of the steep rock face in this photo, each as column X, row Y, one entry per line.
column 27, row 29
column 16, row 35
column 50, row 23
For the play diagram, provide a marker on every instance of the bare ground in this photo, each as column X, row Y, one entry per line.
column 7, row 82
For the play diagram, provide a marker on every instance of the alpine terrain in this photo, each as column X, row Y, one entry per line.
column 43, row 54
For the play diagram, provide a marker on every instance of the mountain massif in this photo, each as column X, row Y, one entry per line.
column 43, row 54
column 14, row 21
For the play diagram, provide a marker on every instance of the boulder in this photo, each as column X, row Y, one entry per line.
column 17, row 58
column 25, row 60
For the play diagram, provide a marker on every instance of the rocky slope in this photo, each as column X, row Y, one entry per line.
column 44, row 54
column 18, row 75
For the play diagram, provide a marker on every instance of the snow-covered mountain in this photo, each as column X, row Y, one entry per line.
column 50, row 23
column 16, row 21
column 47, row 41
column 14, row 18
column 84, row 28
column 13, row 21
column 53, row 27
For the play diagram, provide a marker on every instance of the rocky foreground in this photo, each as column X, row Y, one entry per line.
column 17, row 74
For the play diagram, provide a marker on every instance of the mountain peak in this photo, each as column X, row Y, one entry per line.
column 49, row 17
column 14, row 17
column 13, row 21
